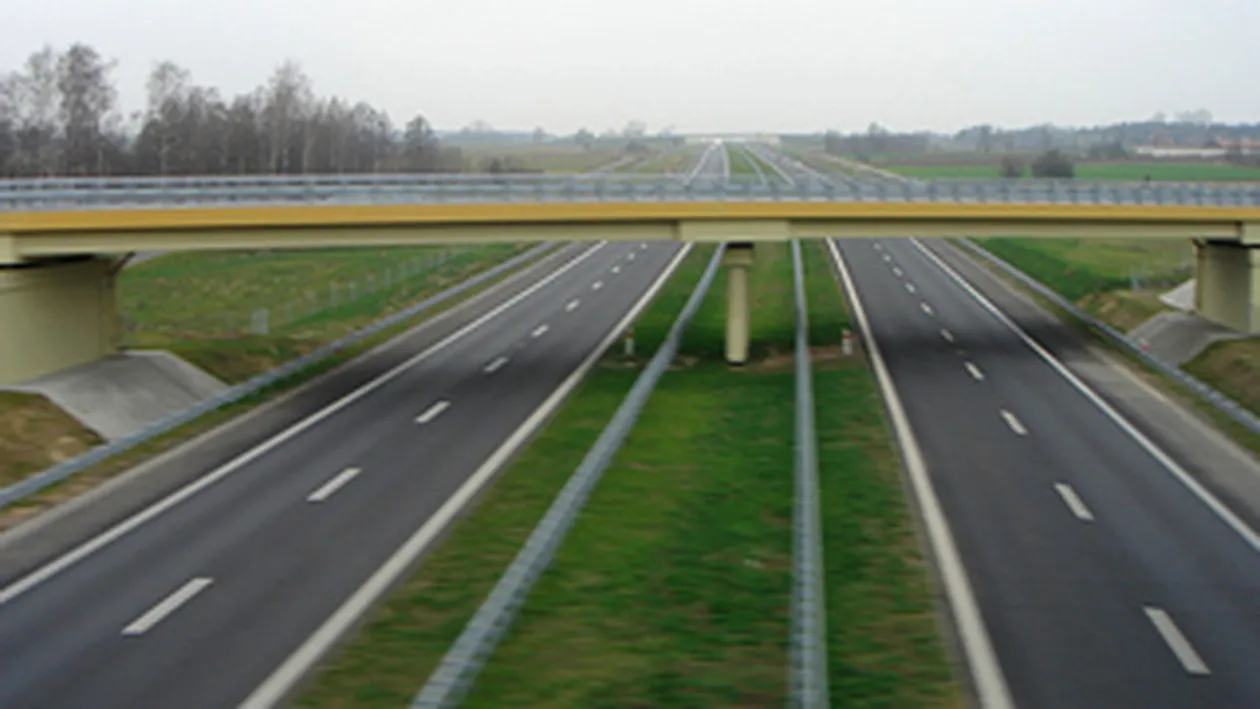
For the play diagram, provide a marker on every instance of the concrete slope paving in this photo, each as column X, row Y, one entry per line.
column 1103, row 581
column 195, row 607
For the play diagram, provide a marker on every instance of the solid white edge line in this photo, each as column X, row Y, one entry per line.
column 167, row 606
column 540, row 330
column 949, row 336
column 990, row 684
column 572, row 305
column 1240, row 527
column 1176, row 641
column 1074, row 502
column 1014, row 423
column 282, row 680
column 64, row 561
column 433, row 411
column 496, row 365
column 338, row 481
column 975, row 372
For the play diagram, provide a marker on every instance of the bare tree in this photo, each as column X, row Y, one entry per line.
column 87, row 97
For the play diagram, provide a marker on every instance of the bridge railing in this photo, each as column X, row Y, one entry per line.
column 124, row 193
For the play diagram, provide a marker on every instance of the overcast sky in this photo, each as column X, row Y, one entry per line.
column 698, row 65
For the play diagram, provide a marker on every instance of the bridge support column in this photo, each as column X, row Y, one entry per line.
column 55, row 315
column 1227, row 284
column 737, row 259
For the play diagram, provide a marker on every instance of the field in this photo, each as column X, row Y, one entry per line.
column 670, row 162
column 199, row 305
column 673, row 588
column 981, row 166
column 550, row 158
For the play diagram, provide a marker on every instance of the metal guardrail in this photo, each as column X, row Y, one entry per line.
column 68, row 468
column 1195, row 386
column 119, row 193
column 808, row 652
column 454, row 676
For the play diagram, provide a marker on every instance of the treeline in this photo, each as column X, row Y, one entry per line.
column 59, row 116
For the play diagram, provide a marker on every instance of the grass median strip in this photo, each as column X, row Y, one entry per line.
column 674, row 587
column 12, row 460
column 883, row 628
column 401, row 644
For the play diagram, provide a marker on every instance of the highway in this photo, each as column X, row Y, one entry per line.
column 196, row 601
column 1106, row 568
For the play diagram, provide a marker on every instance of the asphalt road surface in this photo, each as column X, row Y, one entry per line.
column 197, row 605
column 1107, row 570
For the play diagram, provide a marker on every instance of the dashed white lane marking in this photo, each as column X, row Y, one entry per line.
column 433, row 411
column 975, row 372
column 167, row 606
column 1177, row 642
column 630, row 256
column 878, row 246
column 949, row 336
column 496, row 365
column 573, row 304
column 1074, row 502
column 616, row 269
column 540, row 331
column 897, row 271
column 910, row 287
column 643, row 246
column 597, row 285
column 325, row 491
column 887, row 258
column 926, row 308
column 1014, row 423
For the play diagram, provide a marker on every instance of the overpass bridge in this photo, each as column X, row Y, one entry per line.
column 59, row 238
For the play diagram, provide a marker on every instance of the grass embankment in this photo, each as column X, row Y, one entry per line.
column 35, row 434
column 673, row 589
column 1096, row 274
column 185, row 302
column 42, row 435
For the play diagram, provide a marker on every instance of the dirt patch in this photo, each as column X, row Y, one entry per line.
column 35, row 434
column 1124, row 309
column 1233, row 368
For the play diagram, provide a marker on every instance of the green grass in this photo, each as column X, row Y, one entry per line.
column 560, row 159
column 739, row 162
column 407, row 635
column 934, row 167
column 673, row 588
column 178, row 302
column 1077, row 268
column 1190, row 172
column 883, row 635
column 250, row 354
